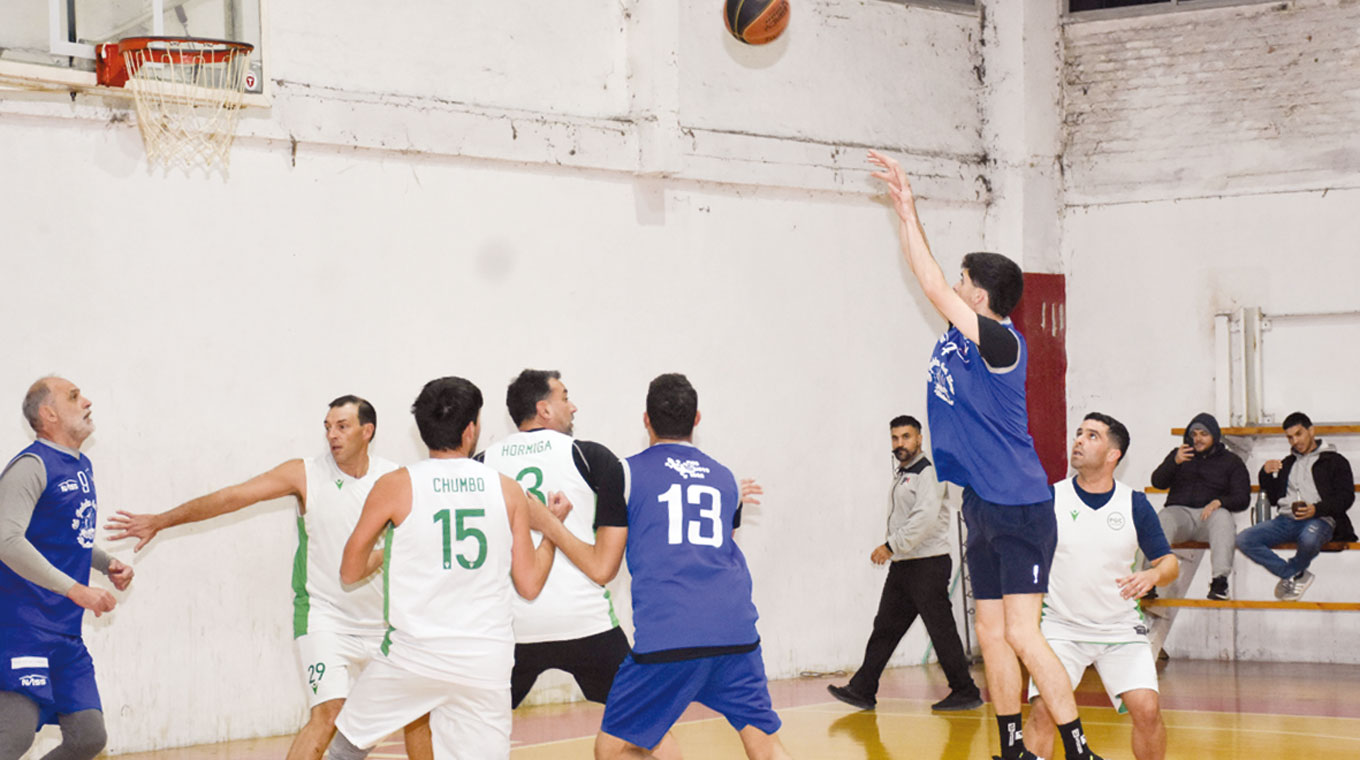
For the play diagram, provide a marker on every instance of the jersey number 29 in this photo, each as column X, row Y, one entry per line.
column 711, row 514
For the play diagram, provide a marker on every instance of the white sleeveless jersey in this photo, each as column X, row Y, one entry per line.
column 333, row 503
column 571, row 605
column 1095, row 547
column 447, row 576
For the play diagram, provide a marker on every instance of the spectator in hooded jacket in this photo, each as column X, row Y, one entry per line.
column 1205, row 484
column 1311, row 488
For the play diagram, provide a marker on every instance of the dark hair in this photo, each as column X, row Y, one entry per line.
column 367, row 414
column 999, row 276
column 525, row 391
column 671, row 405
column 1296, row 418
column 1118, row 433
column 905, row 420
column 444, row 409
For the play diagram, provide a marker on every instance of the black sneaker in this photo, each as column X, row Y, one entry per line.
column 852, row 698
column 1027, row 755
column 959, row 700
column 1218, row 588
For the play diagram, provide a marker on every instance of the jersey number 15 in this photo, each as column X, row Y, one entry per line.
column 462, row 532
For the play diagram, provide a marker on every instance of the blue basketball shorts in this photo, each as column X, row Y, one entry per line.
column 1009, row 547
column 52, row 669
column 647, row 699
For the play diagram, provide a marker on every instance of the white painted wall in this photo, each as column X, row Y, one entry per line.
column 497, row 193
column 618, row 190
column 1211, row 165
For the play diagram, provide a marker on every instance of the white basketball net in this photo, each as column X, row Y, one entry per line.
column 188, row 95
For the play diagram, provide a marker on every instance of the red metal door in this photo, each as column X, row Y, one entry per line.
column 1041, row 316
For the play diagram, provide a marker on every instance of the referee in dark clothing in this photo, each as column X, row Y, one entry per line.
column 918, row 579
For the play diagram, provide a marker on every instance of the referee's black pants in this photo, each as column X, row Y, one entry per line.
column 915, row 587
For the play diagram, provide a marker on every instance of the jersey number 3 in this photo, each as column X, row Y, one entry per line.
column 462, row 532
column 711, row 514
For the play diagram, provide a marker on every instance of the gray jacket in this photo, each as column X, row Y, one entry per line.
column 918, row 520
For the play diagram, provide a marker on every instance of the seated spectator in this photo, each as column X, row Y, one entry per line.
column 1205, row 483
column 1311, row 488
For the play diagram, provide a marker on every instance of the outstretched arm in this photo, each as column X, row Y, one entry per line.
column 288, row 479
column 917, row 250
column 389, row 501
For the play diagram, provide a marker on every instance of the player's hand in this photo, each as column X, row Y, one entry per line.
column 96, row 600
column 1209, row 509
column 898, row 185
column 749, row 490
column 1305, row 512
column 119, row 574
column 880, row 555
column 1185, row 453
column 1137, row 586
column 559, row 505
column 141, row 527
column 1272, row 466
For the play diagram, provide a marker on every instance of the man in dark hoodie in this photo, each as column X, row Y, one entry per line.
column 1312, row 488
column 1205, row 483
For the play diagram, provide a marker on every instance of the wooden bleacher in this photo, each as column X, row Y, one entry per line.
column 1331, row 428
column 1330, row 546
column 1254, row 489
column 1245, row 604
column 1162, row 610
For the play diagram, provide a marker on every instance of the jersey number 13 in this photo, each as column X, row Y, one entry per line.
column 709, row 501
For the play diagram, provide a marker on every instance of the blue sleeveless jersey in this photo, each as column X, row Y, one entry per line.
column 979, row 427
column 62, row 530
column 691, row 587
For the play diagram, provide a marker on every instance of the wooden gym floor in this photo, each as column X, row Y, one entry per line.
column 1214, row 710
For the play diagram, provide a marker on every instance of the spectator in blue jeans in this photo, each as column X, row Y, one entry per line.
column 1311, row 488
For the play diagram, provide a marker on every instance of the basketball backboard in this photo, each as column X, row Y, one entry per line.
column 50, row 44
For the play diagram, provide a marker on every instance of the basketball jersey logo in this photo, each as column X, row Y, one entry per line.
column 687, row 469
column 84, row 523
column 941, row 382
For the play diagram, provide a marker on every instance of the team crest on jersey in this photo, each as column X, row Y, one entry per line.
column 941, row 382
column 84, row 523
column 339, row 484
column 32, row 680
column 68, row 485
column 1115, row 521
column 687, row 468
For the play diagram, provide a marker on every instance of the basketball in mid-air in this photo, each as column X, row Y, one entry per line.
column 756, row 22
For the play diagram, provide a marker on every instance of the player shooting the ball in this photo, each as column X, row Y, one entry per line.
column 980, row 437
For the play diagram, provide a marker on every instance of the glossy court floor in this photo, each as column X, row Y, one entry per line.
column 1213, row 711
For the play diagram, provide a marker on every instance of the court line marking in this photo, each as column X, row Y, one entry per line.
column 696, row 721
column 1165, row 711
column 820, row 708
column 1094, row 722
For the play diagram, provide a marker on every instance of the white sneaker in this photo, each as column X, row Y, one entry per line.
column 1294, row 587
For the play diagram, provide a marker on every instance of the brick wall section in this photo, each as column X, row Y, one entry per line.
column 1223, row 101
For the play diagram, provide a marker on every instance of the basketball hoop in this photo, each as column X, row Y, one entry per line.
column 188, row 93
